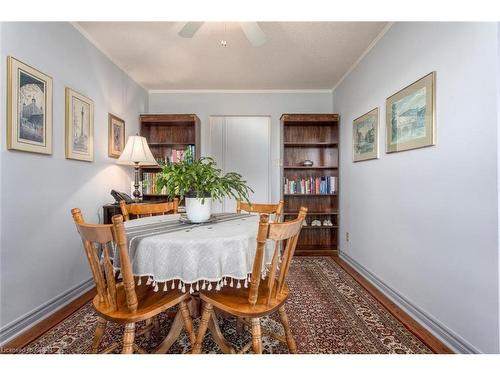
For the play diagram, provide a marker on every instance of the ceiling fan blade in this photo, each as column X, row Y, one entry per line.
column 254, row 33
column 189, row 29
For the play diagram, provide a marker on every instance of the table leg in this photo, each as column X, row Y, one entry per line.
column 173, row 334
column 213, row 327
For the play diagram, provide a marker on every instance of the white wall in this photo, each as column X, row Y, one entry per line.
column 425, row 221
column 41, row 253
column 272, row 104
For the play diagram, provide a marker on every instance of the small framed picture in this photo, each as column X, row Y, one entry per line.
column 116, row 136
column 365, row 136
column 79, row 126
column 410, row 116
column 29, row 108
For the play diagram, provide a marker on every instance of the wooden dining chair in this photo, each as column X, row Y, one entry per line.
column 123, row 301
column 261, row 208
column 137, row 210
column 263, row 296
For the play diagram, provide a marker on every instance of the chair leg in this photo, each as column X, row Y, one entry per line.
column 256, row 336
column 188, row 322
column 128, row 339
column 205, row 318
column 99, row 332
column 292, row 347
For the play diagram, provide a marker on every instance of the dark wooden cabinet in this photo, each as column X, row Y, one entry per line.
column 313, row 137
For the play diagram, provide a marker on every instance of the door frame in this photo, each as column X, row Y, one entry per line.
column 224, row 142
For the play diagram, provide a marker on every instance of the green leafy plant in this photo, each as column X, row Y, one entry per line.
column 201, row 179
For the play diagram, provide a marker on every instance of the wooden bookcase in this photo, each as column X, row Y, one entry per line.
column 165, row 132
column 312, row 137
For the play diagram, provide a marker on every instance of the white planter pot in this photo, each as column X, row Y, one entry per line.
column 198, row 212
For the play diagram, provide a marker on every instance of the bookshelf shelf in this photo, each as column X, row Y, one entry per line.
column 312, row 213
column 307, row 195
column 165, row 133
column 320, row 227
column 312, row 137
column 302, row 167
column 310, row 144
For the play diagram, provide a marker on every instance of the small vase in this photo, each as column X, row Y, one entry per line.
column 198, row 212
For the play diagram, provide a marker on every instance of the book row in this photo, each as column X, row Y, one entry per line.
column 310, row 185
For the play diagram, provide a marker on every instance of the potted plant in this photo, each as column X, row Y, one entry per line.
column 200, row 182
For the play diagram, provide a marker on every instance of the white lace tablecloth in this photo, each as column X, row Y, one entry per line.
column 194, row 257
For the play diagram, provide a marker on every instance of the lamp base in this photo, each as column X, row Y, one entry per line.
column 136, row 193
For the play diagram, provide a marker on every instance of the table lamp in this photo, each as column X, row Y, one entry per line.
column 138, row 154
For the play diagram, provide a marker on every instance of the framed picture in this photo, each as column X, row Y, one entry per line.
column 29, row 108
column 365, row 136
column 410, row 116
column 79, row 126
column 116, row 136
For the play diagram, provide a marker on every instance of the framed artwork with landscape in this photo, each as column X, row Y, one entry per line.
column 365, row 136
column 410, row 116
column 29, row 108
column 116, row 136
column 79, row 126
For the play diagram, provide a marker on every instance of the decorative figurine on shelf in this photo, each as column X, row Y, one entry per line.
column 307, row 163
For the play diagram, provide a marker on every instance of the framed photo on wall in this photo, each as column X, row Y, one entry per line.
column 411, row 116
column 116, row 136
column 365, row 136
column 29, row 108
column 79, row 126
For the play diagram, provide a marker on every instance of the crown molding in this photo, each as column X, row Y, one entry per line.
column 87, row 36
column 360, row 58
column 225, row 91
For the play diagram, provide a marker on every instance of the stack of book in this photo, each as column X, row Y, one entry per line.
column 179, row 155
column 149, row 184
column 311, row 185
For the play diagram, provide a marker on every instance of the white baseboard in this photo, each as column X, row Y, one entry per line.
column 448, row 337
column 25, row 322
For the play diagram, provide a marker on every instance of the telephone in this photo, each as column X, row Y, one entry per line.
column 121, row 197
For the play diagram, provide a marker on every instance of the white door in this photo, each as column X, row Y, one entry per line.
column 241, row 144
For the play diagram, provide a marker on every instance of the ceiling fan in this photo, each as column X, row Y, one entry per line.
column 252, row 31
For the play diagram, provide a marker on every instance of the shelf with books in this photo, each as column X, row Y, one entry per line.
column 170, row 137
column 313, row 137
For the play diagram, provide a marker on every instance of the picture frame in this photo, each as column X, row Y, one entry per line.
column 365, row 136
column 116, row 136
column 79, row 126
column 29, row 108
column 411, row 116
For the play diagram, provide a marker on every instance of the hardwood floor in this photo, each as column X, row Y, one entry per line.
column 432, row 342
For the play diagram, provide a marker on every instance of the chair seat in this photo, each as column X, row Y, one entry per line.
column 235, row 301
column 150, row 303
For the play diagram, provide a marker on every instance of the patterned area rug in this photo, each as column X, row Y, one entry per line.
column 329, row 312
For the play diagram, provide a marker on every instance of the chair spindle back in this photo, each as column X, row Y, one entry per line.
column 102, row 235
column 148, row 209
column 288, row 231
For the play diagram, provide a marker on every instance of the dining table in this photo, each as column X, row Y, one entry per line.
column 170, row 252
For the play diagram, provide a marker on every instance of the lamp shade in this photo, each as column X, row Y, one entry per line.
column 137, row 152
